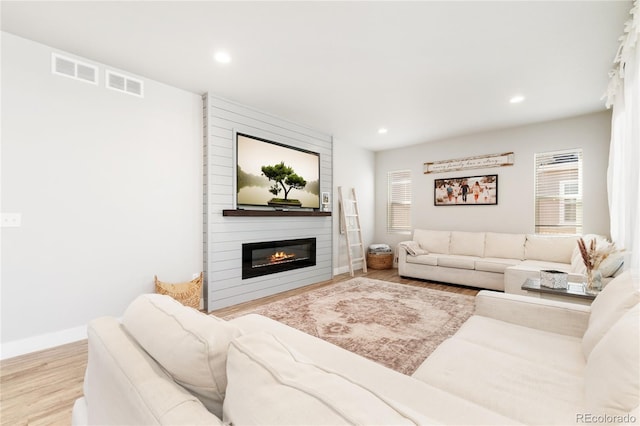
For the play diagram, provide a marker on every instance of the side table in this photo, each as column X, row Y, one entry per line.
column 574, row 293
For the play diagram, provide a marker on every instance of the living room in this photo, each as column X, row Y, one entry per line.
column 109, row 186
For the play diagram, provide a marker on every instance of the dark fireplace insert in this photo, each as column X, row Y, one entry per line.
column 270, row 257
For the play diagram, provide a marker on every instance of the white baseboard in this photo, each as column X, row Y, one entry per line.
column 340, row 270
column 43, row 341
column 345, row 269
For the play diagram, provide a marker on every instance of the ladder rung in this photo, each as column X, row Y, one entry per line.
column 355, row 244
column 353, row 230
column 357, row 258
column 351, row 215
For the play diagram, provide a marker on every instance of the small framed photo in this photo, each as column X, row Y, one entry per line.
column 325, row 201
column 466, row 191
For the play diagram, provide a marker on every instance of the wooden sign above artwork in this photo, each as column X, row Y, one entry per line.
column 479, row 162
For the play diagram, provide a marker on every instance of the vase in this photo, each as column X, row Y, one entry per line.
column 594, row 280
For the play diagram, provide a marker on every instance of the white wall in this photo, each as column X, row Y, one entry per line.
column 353, row 167
column 109, row 188
column 515, row 209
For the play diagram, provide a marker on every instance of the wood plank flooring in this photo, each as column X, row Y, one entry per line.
column 40, row 388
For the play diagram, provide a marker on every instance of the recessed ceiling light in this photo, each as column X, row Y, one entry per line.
column 516, row 99
column 382, row 130
column 222, row 57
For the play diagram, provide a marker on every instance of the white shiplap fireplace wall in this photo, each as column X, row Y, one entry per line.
column 224, row 235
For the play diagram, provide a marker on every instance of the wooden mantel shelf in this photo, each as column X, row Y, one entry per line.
column 285, row 213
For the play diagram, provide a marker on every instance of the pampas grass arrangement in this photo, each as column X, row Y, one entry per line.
column 593, row 258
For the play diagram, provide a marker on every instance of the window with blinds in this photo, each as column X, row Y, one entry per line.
column 399, row 201
column 558, row 188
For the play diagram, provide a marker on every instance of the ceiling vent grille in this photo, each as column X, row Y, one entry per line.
column 125, row 84
column 67, row 67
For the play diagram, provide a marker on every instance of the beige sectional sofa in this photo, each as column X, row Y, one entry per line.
column 517, row 360
column 490, row 260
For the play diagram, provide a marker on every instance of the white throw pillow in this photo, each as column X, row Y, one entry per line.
column 550, row 248
column 271, row 384
column 433, row 241
column 467, row 243
column 413, row 248
column 617, row 298
column 612, row 375
column 189, row 345
column 504, row 246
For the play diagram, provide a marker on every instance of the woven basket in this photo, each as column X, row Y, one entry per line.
column 380, row 261
column 187, row 293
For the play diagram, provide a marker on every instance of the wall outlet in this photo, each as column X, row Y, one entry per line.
column 11, row 220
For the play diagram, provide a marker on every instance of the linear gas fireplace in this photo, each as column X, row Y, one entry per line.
column 269, row 257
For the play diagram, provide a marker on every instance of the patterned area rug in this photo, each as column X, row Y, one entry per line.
column 394, row 324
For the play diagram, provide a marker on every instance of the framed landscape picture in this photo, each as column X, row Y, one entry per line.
column 466, row 191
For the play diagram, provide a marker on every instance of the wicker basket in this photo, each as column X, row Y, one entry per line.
column 380, row 260
column 187, row 293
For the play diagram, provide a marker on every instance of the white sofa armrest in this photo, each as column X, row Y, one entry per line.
column 79, row 414
column 402, row 255
column 127, row 387
column 549, row 315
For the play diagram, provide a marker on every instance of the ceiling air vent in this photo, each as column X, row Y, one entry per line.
column 125, row 84
column 72, row 68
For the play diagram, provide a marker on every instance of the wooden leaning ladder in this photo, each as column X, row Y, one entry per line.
column 351, row 228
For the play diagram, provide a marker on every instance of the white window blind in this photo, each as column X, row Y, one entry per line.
column 558, row 190
column 399, row 201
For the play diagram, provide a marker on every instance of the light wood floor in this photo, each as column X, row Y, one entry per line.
column 40, row 388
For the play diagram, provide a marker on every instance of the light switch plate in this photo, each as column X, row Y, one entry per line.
column 11, row 220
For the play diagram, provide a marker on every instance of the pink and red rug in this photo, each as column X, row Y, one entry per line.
column 394, row 324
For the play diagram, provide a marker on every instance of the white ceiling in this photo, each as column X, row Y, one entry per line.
column 424, row 70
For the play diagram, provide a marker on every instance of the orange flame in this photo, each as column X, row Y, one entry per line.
column 280, row 255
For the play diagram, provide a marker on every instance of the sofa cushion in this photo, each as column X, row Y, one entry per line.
column 498, row 265
column 467, row 243
column 529, row 392
column 550, row 248
column 456, row 261
column 539, row 265
column 539, row 346
column 189, row 345
column 425, row 259
column 612, row 379
column 433, row 241
column 506, row 246
column 618, row 297
column 270, row 383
